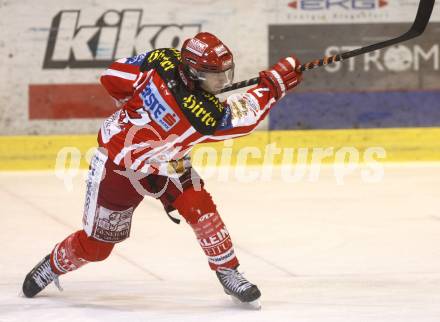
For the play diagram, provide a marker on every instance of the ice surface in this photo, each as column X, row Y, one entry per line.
column 318, row 251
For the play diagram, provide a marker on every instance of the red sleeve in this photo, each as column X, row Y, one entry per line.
column 118, row 79
column 244, row 112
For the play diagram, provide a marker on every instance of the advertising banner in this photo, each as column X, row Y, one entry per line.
column 53, row 56
column 398, row 86
column 55, row 53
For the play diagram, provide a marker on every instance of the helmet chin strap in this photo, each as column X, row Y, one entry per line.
column 192, row 73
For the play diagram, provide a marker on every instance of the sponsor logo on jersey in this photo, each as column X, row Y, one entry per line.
column 226, row 121
column 165, row 60
column 238, row 107
column 252, row 103
column 315, row 5
column 136, row 60
column 172, row 83
column 110, row 127
column 159, row 110
column 214, row 100
column 198, row 109
column 196, row 46
column 115, row 34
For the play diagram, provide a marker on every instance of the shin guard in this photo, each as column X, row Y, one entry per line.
column 201, row 214
column 76, row 251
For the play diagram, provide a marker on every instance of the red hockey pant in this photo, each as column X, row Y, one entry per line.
column 113, row 194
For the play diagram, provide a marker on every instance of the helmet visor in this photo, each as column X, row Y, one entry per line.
column 214, row 82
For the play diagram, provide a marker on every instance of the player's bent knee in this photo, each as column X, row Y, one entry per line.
column 94, row 250
column 193, row 204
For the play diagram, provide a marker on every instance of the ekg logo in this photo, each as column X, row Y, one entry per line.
column 317, row 5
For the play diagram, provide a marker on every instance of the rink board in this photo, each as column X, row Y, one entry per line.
column 390, row 109
column 64, row 47
column 401, row 145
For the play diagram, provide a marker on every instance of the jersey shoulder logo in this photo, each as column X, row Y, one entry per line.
column 135, row 60
column 163, row 60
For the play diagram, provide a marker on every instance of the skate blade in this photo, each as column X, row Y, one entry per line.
column 254, row 305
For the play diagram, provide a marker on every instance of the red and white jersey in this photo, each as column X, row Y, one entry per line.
column 161, row 120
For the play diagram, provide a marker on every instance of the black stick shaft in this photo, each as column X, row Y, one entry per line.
column 421, row 21
column 245, row 83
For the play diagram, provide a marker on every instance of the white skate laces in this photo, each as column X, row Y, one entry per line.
column 242, row 291
column 44, row 276
column 233, row 280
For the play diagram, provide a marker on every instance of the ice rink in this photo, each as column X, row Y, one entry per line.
column 319, row 251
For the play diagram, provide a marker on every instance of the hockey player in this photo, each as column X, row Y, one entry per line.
column 167, row 105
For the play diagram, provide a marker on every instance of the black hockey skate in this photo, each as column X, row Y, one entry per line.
column 39, row 277
column 239, row 288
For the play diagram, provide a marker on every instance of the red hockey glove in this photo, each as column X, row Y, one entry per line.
column 282, row 77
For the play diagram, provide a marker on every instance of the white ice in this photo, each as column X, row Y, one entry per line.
column 319, row 251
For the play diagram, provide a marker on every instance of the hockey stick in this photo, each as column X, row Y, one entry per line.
column 422, row 18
